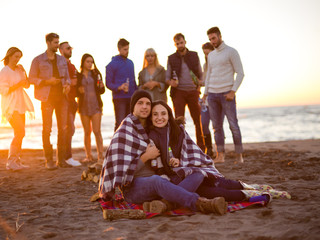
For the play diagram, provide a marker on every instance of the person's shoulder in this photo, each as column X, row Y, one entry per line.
column 40, row 56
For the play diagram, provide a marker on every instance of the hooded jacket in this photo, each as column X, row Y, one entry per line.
column 117, row 73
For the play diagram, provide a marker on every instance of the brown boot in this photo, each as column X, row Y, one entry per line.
column 158, row 206
column 217, row 205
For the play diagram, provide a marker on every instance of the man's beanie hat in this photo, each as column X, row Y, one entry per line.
column 136, row 96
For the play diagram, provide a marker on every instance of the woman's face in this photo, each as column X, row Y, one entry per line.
column 159, row 116
column 150, row 57
column 88, row 63
column 14, row 59
column 206, row 52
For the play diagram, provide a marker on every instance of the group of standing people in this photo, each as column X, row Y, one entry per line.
column 58, row 83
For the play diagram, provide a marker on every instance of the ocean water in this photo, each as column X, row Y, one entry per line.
column 256, row 124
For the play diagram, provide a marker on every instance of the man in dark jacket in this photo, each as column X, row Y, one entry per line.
column 184, row 91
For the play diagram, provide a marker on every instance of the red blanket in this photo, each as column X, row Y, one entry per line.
column 234, row 206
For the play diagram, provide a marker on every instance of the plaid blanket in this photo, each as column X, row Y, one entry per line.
column 123, row 154
column 193, row 159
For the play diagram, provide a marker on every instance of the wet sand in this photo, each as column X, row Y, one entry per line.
column 41, row 204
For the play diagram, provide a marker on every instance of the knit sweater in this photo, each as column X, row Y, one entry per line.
column 223, row 63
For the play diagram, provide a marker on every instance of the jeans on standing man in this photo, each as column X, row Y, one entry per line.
column 218, row 108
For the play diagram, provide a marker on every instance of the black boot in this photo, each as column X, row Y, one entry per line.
column 208, row 142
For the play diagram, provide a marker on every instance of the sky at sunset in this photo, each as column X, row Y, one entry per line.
column 278, row 40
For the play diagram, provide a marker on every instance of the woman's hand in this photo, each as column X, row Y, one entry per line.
column 151, row 153
column 174, row 162
column 150, row 85
column 81, row 89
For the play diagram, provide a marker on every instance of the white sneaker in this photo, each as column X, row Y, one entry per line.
column 73, row 162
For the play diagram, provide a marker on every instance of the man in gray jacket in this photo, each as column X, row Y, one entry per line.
column 220, row 87
column 50, row 76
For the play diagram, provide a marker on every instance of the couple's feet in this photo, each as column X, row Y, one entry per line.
column 220, row 158
column 14, row 164
column 217, row 205
column 50, row 165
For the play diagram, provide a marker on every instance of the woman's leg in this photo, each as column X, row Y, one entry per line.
column 213, row 192
column 17, row 122
column 86, row 123
column 96, row 127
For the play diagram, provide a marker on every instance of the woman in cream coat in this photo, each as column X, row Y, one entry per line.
column 14, row 103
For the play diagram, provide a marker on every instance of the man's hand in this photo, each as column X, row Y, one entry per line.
column 204, row 98
column 81, row 89
column 66, row 89
column 230, row 95
column 52, row 81
column 172, row 83
column 124, row 87
column 151, row 153
column 174, row 162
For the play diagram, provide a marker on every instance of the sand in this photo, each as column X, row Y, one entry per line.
column 42, row 204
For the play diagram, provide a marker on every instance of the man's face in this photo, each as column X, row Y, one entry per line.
column 180, row 44
column 53, row 45
column 66, row 50
column 124, row 51
column 215, row 39
column 142, row 108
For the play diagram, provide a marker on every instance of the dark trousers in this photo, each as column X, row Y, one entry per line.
column 221, row 187
column 72, row 110
column 121, row 110
column 60, row 106
column 191, row 98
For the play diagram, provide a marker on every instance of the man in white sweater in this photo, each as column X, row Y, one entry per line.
column 220, row 88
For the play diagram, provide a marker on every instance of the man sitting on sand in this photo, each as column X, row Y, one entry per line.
column 127, row 173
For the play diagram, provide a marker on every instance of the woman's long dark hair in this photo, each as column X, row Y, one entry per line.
column 175, row 129
column 94, row 70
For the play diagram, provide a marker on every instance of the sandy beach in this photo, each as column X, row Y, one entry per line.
column 41, row 204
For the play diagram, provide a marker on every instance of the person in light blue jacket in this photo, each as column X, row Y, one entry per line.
column 120, row 80
column 50, row 76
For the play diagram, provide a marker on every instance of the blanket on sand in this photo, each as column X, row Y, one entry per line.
column 232, row 207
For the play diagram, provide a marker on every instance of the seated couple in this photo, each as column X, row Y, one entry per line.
column 193, row 181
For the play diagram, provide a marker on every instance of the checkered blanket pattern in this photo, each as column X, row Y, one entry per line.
column 193, row 159
column 126, row 146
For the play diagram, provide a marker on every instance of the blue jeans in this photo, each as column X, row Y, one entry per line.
column 221, row 187
column 121, row 110
column 60, row 106
column 218, row 108
column 144, row 189
column 205, row 120
column 190, row 182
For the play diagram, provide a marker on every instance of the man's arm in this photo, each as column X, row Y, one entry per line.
column 110, row 83
column 33, row 73
column 237, row 66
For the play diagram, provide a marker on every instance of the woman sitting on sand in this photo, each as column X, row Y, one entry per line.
column 90, row 87
column 180, row 157
column 14, row 103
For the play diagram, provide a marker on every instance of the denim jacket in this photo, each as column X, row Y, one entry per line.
column 41, row 69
